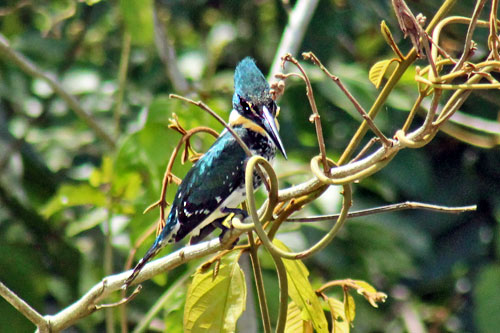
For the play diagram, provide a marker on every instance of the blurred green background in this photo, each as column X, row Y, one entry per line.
column 71, row 206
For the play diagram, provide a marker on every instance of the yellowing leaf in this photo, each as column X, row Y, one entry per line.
column 215, row 304
column 365, row 286
column 294, row 321
column 378, row 71
column 302, row 293
column 339, row 321
column 370, row 293
column 349, row 307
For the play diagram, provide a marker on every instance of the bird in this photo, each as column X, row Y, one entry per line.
column 215, row 185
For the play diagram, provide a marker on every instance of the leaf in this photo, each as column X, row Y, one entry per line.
column 370, row 293
column 302, row 293
column 339, row 320
column 215, row 304
column 378, row 71
column 138, row 17
column 294, row 321
column 73, row 195
column 349, row 307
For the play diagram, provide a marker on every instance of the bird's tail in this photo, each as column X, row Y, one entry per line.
column 160, row 241
column 153, row 250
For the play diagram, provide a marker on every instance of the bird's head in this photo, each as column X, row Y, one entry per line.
column 252, row 101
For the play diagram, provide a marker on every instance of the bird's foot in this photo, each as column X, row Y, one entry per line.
column 225, row 235
column 243, row 214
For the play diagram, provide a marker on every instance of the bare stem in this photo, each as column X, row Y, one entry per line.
column 311, row 56
column 312, row 102
column 294, row 32
column 470, row 31
column 24, row 308
column 386, row 209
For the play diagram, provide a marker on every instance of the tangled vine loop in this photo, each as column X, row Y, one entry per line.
column 259, row 229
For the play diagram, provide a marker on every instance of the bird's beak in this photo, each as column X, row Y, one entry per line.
column 270, row 128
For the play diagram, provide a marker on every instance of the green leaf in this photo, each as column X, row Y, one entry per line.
column 379, row 70
column 349, row 307
column 294, row 321
column 339, row 320
column 73, row 195
column 214, row 304
column 138, row 17
column 302, row 293
column 487, row 299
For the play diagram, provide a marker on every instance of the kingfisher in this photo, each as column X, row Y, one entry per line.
column 215, row 186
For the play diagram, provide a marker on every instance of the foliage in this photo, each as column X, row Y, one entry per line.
column 79, row 169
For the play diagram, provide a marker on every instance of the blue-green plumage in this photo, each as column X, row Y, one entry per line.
column 216, row 181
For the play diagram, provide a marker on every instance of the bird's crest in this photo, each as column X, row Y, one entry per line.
column 249, row 82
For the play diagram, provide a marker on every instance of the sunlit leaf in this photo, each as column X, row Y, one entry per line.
column 302, row 293
column 294, row 321
column 339, row 320
column 379, row 71
column 88, row 221
column 215, row 304
column 74, row 195
column 349, row 307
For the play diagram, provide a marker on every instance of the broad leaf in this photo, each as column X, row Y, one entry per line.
column 214, row 302
column 349, row 307
column 378, row 71
column 74, row 195
column 302, row 293
column 339, row 320
column 294, row 321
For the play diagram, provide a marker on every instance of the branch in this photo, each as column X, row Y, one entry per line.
column 386, row 209
column 31, row 69
column 468, row 39
column 24, row 308
column 396, row 75
column 89, row 302
column 166, row 52
column 294, row 32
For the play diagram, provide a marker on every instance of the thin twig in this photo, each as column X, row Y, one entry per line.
column 206, row 108
column 363, row 151
column 293, row 34
column 387, row 209
column 86, row 304
column 312, row 102
column 311, row 56
column 24, row 308
column 493, row 37
column 470, row 31
column 31, row 69
column 391, row 83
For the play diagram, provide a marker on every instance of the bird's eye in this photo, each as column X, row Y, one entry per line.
column 244, row 105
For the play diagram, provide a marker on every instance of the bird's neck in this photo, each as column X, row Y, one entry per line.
column 237, row 120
